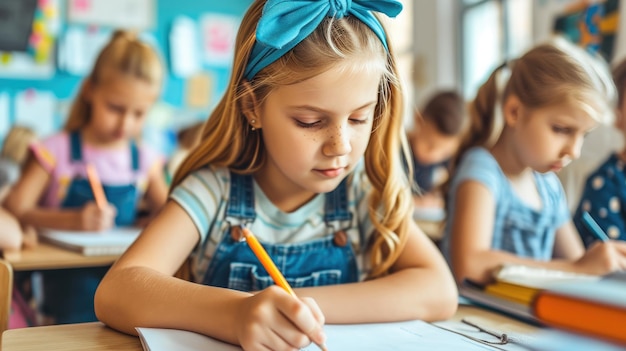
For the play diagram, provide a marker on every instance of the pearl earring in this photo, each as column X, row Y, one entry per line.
column 252, row 122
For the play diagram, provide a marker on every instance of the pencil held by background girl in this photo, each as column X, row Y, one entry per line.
column 293, row 151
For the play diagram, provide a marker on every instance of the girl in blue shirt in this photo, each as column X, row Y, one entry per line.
column 506, row 205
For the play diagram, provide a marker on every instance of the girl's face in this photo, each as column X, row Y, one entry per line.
column 316, row 131
column 547, row 139
column 119, row 106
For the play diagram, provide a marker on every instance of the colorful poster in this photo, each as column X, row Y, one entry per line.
column 593, row 25
column 218, row 34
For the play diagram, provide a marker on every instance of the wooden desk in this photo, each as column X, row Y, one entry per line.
column 84, row 336
column 46, row 256
column 97, row 337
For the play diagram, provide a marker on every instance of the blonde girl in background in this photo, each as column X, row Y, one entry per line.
column 12, row 236
column 102, row 129
column 12, row 157
column 303, row 149
column 506, row 204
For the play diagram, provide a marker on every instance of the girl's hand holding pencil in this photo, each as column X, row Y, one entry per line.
column 98, row 215
column 94, row 218
column 276, row 318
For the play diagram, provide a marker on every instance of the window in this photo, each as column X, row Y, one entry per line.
column 492, row 31
column 400, row 33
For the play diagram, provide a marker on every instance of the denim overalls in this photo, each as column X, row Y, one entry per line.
column 325, row 261
column 69, row 293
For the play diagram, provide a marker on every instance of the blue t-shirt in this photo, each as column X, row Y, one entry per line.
column 604, row 198
column 518, row 228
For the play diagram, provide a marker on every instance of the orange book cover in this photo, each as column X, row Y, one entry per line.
column 596, row 309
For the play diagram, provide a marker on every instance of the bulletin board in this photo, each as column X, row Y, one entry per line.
column 91, row 22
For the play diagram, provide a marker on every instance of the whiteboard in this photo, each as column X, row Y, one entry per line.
column 127, row 14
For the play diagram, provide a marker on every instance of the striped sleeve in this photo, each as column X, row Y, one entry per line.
column 200, row 195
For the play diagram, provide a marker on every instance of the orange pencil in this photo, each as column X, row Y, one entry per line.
column 269, row 266
column 96, row 186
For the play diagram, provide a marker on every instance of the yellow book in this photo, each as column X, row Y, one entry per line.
column 521, row 284
column 514, row 292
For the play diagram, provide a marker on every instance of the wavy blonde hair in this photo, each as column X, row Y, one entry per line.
column 124, row 54
column 226, row 140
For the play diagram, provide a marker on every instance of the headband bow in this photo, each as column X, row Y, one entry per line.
column 285, row 23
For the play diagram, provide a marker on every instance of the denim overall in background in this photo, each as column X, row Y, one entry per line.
column 69, row 293
column 325, row 261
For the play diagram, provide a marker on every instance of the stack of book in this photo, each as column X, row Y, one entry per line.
column 515, row 287
column 597, row 310
column 590, row 306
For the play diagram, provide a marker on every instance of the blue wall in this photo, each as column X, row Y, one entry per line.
column 64, row 85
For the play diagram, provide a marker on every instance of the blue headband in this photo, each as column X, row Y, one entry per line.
column 285, row 23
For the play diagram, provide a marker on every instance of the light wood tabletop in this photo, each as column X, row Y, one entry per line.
column 47, row 256
column 71, row 337
column 98, row 337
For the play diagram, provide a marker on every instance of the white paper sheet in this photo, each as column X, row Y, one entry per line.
column 36, row 109
column 184, row 53
column 401, row 336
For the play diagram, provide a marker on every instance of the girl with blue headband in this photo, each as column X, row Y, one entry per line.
column 304, row 150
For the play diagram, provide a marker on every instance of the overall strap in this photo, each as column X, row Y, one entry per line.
column 76, row 147
column 241, row 199
column 134, row 154
column 336, row 206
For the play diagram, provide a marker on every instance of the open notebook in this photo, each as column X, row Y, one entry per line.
column 109, row 242
column 401, row 336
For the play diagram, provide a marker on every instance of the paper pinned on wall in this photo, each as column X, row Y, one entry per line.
column 35, row 109
column 218, row 34
column 199, row 90
column 5, row 120
column 79, row 48
column 184, row 47
column 129, row 14
column 21, row 65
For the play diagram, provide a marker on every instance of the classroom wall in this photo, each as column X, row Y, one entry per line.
column 64, row 85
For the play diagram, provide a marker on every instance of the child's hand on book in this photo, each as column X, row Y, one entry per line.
column 273, row 319
column 603, row 257
column 93, row 218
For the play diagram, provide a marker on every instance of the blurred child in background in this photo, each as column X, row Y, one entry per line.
column 104, row 124
column 12, row 236
column 187, row 138
column 434, row 141
column 604, row 195
column 506, row 205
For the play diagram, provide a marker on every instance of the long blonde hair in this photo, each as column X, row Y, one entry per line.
column 124, row 54
column 549, row 74
column 226, row 140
